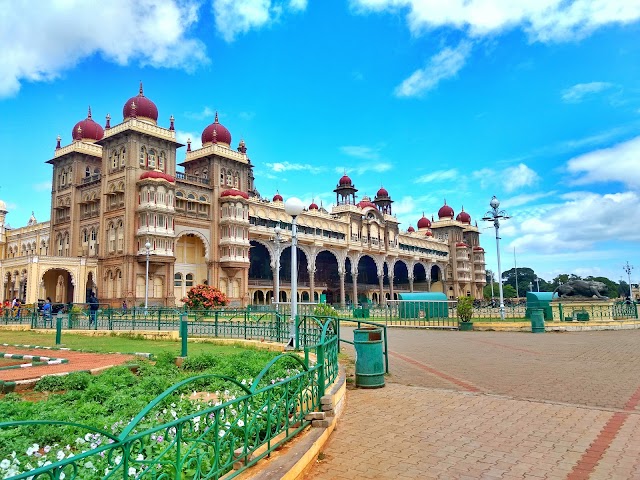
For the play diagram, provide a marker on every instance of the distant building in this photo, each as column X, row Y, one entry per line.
column 117, row 188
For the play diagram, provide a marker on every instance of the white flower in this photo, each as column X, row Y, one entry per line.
column 240, row 423
column 118, row 459
column 60, row 455
column 140, row 457
column 4, row 464
column 221, row 433
column 89, row 464
column 62, row 476
column 131, row 472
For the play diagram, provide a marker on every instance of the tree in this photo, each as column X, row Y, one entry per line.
column 508, row 291
column 613, row 289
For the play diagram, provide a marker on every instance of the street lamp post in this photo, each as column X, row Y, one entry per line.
column 537, row 283
column 277, row 240
column 531, row 286
column 494, row 215
column 627, row 268
column 147, row 247
column 293, row 206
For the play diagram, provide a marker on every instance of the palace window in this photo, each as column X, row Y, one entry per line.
column 122, row 157
column 143, row 157
column 161, row 161
column 177, row 280
column 189, row 280
column 152, row 159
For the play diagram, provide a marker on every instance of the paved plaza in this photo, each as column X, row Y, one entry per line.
column 494, row 405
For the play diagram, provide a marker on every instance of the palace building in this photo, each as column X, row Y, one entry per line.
column 117, row 190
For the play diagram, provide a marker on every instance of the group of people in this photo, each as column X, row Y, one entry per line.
column 11, row 307
column 94, row 305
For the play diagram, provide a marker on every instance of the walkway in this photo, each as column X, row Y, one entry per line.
column 488, row 405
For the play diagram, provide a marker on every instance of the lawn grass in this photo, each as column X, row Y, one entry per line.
column 106, row 344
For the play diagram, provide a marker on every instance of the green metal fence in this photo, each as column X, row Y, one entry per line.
column 215, row 441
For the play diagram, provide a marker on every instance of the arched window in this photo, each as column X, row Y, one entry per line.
column 152, row 159
column 177, row 280
column 87, row 172
column 114, row 160
column 189, row 280
column 143, row 157
column 162, row 161
column 123, row 157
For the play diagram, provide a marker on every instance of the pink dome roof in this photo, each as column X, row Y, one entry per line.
column 232, row 192
column 478, row 248
column 382, row 192
column 216, row 133
column 445, row 211
column 461, row 245
column 428, row 233
column 411, row 229
column 313, row 206
column 157, row 175
column 277, row 197
column 424, row 222
column 366, row 203
column 143, row 107
column 87, row 130
column 464, row 217
column 344, row 181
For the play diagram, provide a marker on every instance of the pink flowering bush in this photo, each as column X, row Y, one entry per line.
column 205, row 297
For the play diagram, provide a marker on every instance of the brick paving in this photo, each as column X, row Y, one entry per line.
column 77, row 361
column 494, row 405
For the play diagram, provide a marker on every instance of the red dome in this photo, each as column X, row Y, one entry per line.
column 366, row 203
column 144, row 107
column 382, row 192
column 428, row 233
column 411, row 229
column 158, row 175
column 216, row 133
column 464, row 217
column 461, row 245
column 232, row 192
column 424, row 222
column 88, row 130
column 445, row 211
column 345, row 181
column 313, row 206
column 277, row 197
column 478, row 248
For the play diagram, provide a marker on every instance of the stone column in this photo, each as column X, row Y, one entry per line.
column 411, row 283
column 381, row 286
column 343, row 300
column 391, row 292
column 312, row 280
column 354, row 276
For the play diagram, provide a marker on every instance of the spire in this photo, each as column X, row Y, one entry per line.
column 133, row 107
column 216, row 119
column 58, row 142
column 108, row 124
column 172, row 120
column 89, row 114
column 188, row 144
column 79, row 130
column 141, row 94
column 242, row 148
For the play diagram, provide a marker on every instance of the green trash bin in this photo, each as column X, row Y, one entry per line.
column 369, row 357
column 537, row 320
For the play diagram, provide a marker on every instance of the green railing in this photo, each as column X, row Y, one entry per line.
column 216, row 440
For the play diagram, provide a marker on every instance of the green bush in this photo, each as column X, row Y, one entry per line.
column 465, row 309
column 325, row 310
column 50, row 383
column 199, row 363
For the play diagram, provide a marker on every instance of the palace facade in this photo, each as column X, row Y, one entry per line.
column 121, row 198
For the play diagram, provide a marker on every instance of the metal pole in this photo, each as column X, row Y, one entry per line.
column 294, row 281
column 496, row 224
column 515, row 266
column 538, row 283
column 627, row 268
column 146, row 279
column 277, row 262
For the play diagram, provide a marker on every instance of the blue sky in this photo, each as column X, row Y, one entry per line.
column 535, row 101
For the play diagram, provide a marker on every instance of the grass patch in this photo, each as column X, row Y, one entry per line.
column 107, row 344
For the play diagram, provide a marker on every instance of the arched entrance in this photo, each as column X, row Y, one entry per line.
column 58, row 285
column 327, row 280
column 190, row 268
column 367, row 278
column 437, row 285
column 400, row 277
column 420, row 282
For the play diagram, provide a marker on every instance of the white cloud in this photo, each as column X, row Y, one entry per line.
column 183, row 137
column 518, row 177
column 438, row 176
column 205, row 113
column 38, row 45
column 583, row 220
column 42, row 186
column 525, row 198
column 512, row 178
column 361, row 151
column 445, row 64
column 579, row 91
column 616, row 164
column 542, row 20
column 235, row 17
column 287, row 166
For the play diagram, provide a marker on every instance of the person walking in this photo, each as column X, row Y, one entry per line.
column 46, row 311
column 93, row 309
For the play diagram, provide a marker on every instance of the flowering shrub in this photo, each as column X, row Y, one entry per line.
column 204, row 297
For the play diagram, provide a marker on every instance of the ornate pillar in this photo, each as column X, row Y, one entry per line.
column 311, row 268
column 354, row 276
column 411, row 282
column 343, row 300
column 391, row 292
column 381, row 285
